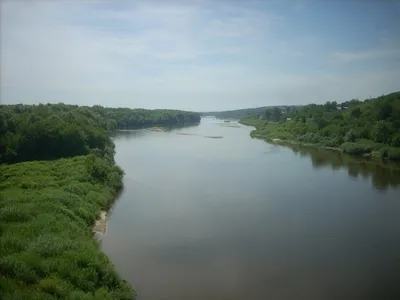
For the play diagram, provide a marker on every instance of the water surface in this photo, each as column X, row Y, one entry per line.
column 238, row 218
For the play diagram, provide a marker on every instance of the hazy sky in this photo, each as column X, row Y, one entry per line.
column 198, row 55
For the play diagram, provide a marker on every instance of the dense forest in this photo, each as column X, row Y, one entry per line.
column 370, row 127
column 50, row 131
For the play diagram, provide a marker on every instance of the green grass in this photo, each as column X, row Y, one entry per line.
column 292, row 133
column 47, row 250
column 267, row 130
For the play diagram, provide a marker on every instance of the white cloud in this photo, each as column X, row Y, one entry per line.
column 41, row 46
column 194, row 55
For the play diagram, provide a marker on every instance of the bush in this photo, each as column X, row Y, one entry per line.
column 395, row 140
column 355, row 148
column 384, row 152
column 310, row 138
column 351, row 136
column 54, row 286
column 329, row 143
column 12, row 213
column 96, row 167
column 394, row 153
column 12, row 267
column 46, row 246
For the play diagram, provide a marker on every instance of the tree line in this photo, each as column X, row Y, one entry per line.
column 51, row 131
column 357, row 127
column 239, row 113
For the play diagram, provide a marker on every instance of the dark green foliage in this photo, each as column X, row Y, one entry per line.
column 243, row 113
column 369, row 127
column 51, row 131
column 274, row 114
column 394, row 153
column 47, row 249
column 126, row 118
column 354, row 148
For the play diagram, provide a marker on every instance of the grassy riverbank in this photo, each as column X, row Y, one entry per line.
column 369, row 128
column 279, row 134
column 47, row 210
column 57, row 173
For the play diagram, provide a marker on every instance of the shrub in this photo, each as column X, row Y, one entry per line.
column 351, row 136
column 54, row 286
column 395, row 140
column 355, row 148
column 78, row 188
column 329, row 143
column 394, row 153
column 46, row 246
column 383, row 152
column 12, row 266
column 310, row 138
column 12, row 213
column 96, row 167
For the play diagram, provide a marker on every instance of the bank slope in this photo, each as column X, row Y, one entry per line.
column 47, row 210
column 369, row 128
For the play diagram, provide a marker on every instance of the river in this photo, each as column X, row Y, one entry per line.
column 238, row 218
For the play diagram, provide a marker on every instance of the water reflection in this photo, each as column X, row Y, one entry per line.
column 383, row 174
column 236, row 218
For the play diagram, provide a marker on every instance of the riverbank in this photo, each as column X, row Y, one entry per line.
column 277, row 133
column 100, row 225
column 47, row 217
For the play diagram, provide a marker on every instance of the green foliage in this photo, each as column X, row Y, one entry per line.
column 355, row 148
column 394, row 153
column 47, row 249
column 353, row 126
column 46, row 132
column 381, row 132
column 395, row 140
column 273, row 114
column 244, row 113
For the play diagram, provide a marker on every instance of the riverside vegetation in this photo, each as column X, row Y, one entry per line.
column 35, row 132
column 57, row 174
column 369, row 128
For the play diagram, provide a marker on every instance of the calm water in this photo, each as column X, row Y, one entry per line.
column 238, row 218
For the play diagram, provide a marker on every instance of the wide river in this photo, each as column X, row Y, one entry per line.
column 238, row 218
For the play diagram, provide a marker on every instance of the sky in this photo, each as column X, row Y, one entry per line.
column 199, row 55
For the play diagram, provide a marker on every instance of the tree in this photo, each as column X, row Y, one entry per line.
column 381, row 132
column 356, row 112
column 384, row 110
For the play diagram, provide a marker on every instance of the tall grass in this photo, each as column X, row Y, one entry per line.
column 47, row 250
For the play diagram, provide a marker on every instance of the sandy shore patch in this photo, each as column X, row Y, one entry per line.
column 100, row 227
column 213, row 137
column 183, row 133
column 158, row 129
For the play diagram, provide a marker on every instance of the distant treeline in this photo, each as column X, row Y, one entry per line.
column 241, row 113
column 51, row 131
column 357, row 127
